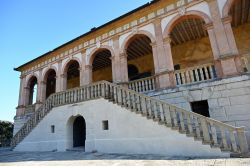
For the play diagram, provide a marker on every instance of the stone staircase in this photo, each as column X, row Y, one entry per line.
column 209, row 131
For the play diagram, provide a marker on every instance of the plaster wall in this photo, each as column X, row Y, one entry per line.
column 128, row 133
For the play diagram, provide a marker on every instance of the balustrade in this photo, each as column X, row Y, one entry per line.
column 212, row 132
column 195, row 74
column 143, row 85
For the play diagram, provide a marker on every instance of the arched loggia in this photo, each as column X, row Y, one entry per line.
column 140, row 56
column 72, row 77
column 191, row 50
column 101, row 65
column 50, row 79
column 32, row 90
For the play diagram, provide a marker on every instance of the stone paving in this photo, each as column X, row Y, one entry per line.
column 75, row 158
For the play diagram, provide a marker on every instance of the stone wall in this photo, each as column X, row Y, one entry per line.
column 228, row 99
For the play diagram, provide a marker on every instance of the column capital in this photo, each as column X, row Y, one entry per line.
column 157, row 21
column 88, row 67
column 43, row 82
column 208, row 26
column 22, row 76
column 124, row 54
column 167, row 40
column 63, row 75
column 227, row 20
column 153, row 44
column 26, row 88
column 116, row 37
column 112, row 58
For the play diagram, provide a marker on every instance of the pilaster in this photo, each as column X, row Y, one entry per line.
column 58, row 77
column 227, row 61
column 163, row 61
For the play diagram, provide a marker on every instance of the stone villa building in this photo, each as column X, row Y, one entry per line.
column 170, row 77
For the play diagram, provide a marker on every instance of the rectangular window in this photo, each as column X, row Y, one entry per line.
column 201, row 107
column 105, row 125
column 52, row 129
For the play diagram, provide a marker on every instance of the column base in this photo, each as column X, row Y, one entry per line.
column 20, row 110
column 165, row 79
column 228, row 66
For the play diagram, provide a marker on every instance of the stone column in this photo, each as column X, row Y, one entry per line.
column 21, row 101
column 163, row 62
column 232, row 43
column 63, row 81
column 116, row 74
column 228, row 56
column 27, row 95
column 42, row 88
column 41, row 92
column 123, row 67
column 87, row 75
column 215, row 49
column 166, row 73
column 58, row 77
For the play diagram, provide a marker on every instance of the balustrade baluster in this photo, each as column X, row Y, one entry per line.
column 211, row 72
column 183, row 78
column 167, row 115
column 143, row 106
column 146, row 85
column 205, row 132
column 202, row 73
column 178, row 78
column 155, row 111
column 128, row 100
column 224, row 138
column 162, row 120
column 174, row 118
column 188, row 77
column 190, row 124
column 242, row 141
column 232, row 140
column 138, row 103
column 143, row 86
column 192, row 76
column 149, row 108
column 196, row 75
column 197, row 128
column 206, row 72
column 153, row 83
column 214, row 134
column 182, row 122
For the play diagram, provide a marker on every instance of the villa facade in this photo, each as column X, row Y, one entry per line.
column 183, row 63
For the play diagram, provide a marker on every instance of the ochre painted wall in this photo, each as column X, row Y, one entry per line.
column 193, row 53
column 242, row 37
column 73, row 83
column 144, row 63
column 103, row 74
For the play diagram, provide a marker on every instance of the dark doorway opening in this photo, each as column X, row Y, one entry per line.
column 79, row 132
column 200, row 107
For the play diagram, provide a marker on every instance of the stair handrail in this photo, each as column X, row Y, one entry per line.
column 198, row 126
